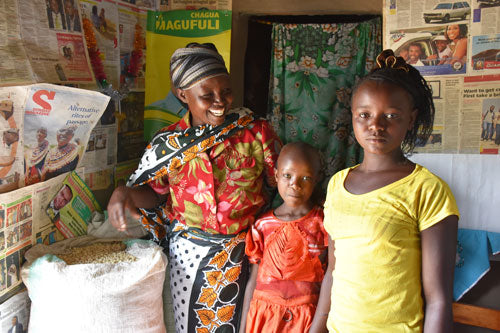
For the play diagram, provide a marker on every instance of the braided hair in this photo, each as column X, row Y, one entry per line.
column 394, row 70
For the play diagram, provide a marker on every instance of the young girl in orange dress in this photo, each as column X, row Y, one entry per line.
column 287, row 248
column 392, row 223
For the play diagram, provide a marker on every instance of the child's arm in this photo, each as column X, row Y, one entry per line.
column 439, row 244
column 323, row 308
column 254, row 268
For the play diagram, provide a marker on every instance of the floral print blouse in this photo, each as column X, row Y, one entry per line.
column 221, row 190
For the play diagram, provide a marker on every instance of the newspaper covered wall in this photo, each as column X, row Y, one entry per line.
column 456, row 47
column 42, row 42
column 45, row 130
column 24, row 222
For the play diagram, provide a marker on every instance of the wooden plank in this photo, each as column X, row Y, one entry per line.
column 476, row 316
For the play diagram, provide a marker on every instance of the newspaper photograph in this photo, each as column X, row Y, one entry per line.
column 15, row 313
column 437, row 50
column 485, row 54
column 11, row 126
column 101, row 149
column 104, row 17
column 481, row 115
column 132, row 21
column 490, row 125
column 58, row 121
column 412, row 14
column 73, row 207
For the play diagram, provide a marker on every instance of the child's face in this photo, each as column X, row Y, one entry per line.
column 382, row 113
column 296, row 178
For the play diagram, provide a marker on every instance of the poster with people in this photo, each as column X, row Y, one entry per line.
column 72, row 208
column 166, row 32
column 439, row 50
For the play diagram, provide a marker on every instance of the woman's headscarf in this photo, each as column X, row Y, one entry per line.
column 194, row 64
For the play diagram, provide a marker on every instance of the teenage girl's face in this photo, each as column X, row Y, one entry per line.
column 382, row 113
column 208, row 101
column 296, row 178
column 453, row 31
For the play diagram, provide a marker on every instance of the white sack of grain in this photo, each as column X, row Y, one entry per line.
column 110, row 297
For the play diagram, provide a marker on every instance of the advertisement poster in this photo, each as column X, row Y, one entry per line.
column 72, row 208
column 430, row 49
column 166, row 32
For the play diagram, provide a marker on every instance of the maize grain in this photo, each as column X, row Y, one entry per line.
column 98, row 253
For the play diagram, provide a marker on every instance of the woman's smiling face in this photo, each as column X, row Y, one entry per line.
column 208, row 101
column 453, row 31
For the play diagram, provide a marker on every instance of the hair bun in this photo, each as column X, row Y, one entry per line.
column 386, row 59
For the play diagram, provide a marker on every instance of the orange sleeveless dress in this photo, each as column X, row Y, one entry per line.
column 290, row 271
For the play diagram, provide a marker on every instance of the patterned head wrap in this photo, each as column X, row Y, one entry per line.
column 194, row 64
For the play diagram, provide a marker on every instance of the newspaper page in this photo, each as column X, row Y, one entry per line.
column 101, row 149
column 446, row 130
column 481, row 112
column 430, row 35
column 132, row 20
column 73, row 207
column 16, row 219
column 12, row 101
column 15, row 67
column 196, row 4
column 52, row 36
column 143, row 4
column 100, row 180
column 485, row 41
column 58, row 122
column 454, row 45
column 15, row 312
column 104, row 17
column 44, row 231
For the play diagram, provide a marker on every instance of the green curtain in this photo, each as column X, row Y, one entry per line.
column 314, row 68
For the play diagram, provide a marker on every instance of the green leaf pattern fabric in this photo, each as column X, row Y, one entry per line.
column 314, row 68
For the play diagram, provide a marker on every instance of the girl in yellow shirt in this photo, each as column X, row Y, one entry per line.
column 392, row 224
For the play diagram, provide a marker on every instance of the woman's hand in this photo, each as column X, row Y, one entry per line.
column 131, row 198
column 121, row 199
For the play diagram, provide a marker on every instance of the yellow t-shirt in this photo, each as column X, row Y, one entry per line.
column 377, row 276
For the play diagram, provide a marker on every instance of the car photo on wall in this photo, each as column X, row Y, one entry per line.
column 448, row 11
